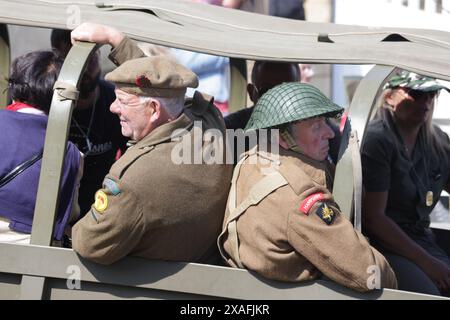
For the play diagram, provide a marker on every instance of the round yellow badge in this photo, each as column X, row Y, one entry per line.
column 101, row 201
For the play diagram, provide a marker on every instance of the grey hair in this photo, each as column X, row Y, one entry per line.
column 173, row 106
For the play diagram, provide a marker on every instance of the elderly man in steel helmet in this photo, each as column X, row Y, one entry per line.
column 285, row 224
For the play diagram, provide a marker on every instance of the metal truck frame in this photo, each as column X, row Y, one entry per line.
column 40, row 271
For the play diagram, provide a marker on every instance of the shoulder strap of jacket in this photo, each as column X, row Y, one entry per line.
column 259, row 191
column 119, row 168
column 200, row 103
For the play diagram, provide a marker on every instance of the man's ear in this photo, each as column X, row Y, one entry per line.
column 155, row 109
column 159, row 113
column 252, row 92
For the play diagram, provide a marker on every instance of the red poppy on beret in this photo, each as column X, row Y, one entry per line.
column 143, row 82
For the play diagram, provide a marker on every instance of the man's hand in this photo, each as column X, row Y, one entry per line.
column 98, row 33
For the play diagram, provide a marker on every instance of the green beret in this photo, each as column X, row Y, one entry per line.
column 155, row 76
column 414, row 81
column 289, row 102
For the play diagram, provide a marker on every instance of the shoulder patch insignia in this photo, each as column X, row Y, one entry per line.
column 306, row 204
column 111, row 186
column 326, row 213
column 101, row 201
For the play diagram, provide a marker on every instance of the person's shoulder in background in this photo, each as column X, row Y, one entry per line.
column 238, row 119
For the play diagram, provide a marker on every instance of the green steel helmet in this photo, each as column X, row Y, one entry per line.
column 414, row 81
column 289, row 102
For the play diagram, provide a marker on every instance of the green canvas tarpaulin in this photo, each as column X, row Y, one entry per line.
column 238, row 34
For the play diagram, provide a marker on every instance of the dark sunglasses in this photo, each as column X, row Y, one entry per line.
column 417, row 94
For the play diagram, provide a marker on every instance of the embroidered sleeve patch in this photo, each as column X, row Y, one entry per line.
column 111, row 186
column 306, row 204
column 101, row 201
column 326, row 213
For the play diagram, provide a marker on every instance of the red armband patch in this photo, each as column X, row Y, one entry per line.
column 306, row 204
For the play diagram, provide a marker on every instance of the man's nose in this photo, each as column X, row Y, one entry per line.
column 114, row 108
column 329, row 133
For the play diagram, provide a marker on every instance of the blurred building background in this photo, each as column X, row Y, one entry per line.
column 423, row 14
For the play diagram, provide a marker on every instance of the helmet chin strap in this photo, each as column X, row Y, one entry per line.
column 287, row 137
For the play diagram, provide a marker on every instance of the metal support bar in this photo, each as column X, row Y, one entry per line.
column 238, row 84
column 53, row 159
column 30, row 288
column 359, row 114
column 55, row 146
column 5, row 61
column 169, row 277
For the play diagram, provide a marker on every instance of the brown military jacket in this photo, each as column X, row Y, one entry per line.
column 150, row 206
column 297, row 232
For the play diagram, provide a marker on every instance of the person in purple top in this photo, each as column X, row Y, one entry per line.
column 23, row 124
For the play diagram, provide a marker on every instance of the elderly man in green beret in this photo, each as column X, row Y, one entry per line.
column 283, row 223
column 150, row 206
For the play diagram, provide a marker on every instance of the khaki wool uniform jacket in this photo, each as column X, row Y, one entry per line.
column 280, row 241
column 154, row 208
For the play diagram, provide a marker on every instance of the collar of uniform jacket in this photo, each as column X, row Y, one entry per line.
column 164, row 132
column 198, row 105
column 292, row 161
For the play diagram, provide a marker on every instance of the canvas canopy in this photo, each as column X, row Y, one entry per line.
column 239, row 34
